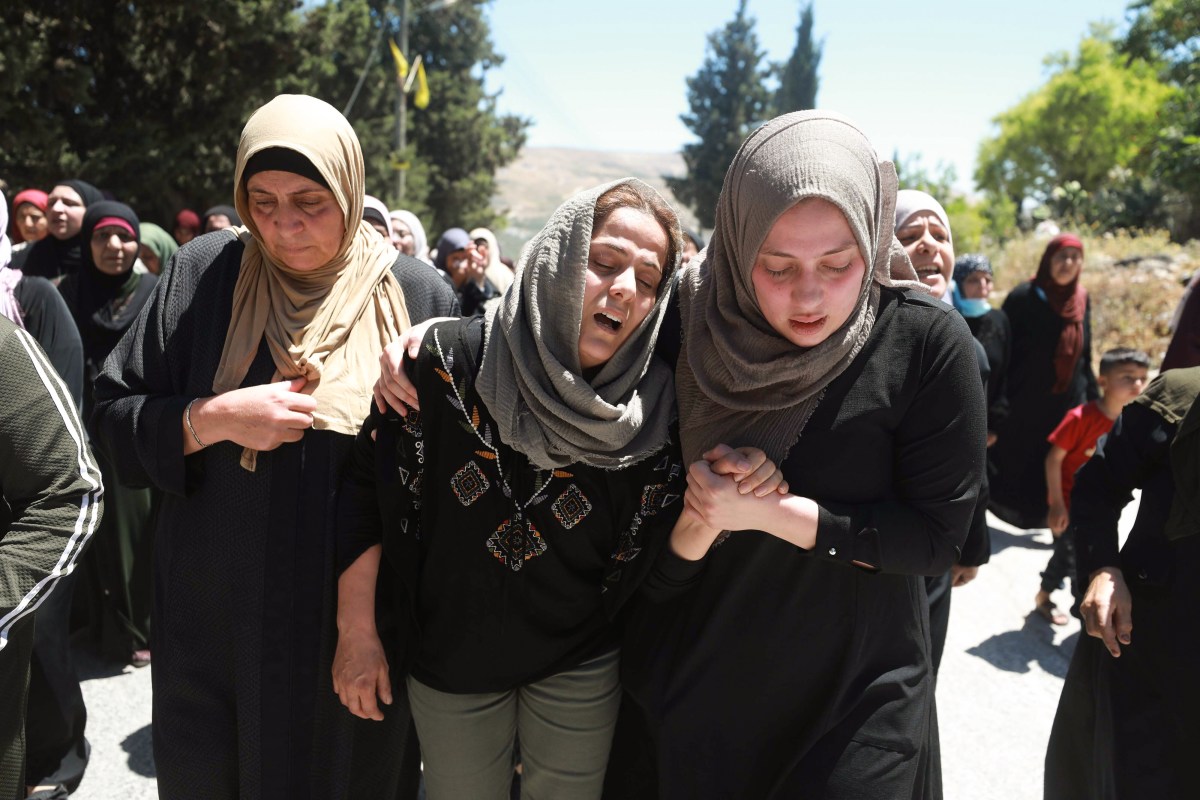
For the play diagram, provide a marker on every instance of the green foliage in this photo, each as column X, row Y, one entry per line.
column 1167, row 33
column 1096, row 112
column 144, row 99
column 726, row 101
column 937, row 181
column 148, row 99
column 798, row 80
column 459, row 141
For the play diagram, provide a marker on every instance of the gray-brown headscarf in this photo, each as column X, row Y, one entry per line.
column 739, row 382
column 328, row 324
column 530, row 379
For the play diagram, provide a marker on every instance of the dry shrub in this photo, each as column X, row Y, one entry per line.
column 1134, row 280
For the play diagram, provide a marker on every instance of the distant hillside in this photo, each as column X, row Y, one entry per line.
column 543, row 177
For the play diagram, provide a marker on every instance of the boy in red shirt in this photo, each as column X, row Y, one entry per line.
column 1123, row 374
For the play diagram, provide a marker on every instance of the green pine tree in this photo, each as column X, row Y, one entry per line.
column 727, row 100
column 798, row 80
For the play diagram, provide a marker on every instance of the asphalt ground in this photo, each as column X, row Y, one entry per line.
column 1001, row 676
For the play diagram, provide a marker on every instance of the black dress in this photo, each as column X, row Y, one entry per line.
column 1016, row 462
column 1114, row 728
column 113, row 597
column 244, row 629
column 770, row 671
column 994, row 332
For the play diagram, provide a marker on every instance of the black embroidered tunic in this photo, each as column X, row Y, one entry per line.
column 510, row 573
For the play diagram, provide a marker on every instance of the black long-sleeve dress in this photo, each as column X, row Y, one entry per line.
column 771, row 671
column 244, row 561
column 994, row 332
column 1016, row 462
column 1118, row 719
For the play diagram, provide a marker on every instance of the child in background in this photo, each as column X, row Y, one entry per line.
column 1123, row 374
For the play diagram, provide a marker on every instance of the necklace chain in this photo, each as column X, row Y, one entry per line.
column 493, row 450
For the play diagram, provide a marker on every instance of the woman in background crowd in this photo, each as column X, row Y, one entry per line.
column 221, row 217
column 1050, row 372
column 375, row 214
column 460, row 260
column 61, row 252
column 923, row 230
column 494, row 270
column 187, row 226
column 157, row 247
column 408, row 234
column 973, row 281
column 105, row 297
column 29, row 223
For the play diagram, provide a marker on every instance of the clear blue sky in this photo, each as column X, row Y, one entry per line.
column 921, row 78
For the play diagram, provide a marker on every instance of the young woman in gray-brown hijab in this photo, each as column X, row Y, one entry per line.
column 790, row 658
column 522, row 507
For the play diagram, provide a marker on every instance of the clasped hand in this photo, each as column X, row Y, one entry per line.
column 728, row 489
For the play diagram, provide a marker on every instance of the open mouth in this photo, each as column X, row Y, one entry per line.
column 806, row 326
column 607, row 321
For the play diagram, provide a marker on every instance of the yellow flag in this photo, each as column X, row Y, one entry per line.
column 401, row 61
column 421, row 97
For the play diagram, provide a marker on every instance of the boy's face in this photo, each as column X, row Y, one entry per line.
column 1123, row 382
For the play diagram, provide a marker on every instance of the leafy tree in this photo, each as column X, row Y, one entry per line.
column 967, row 220
column 459, row 141
column 1095, row 113
column 145, row 99
column 727, row 100
column 1167, row 33
column 798, row 80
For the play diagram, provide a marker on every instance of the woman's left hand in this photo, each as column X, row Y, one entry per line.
column 718, row 500
column 749, row 467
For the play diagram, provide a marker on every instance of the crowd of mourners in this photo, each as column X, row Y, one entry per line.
column 638, row 516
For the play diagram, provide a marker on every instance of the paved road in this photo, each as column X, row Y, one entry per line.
column 1001, row 676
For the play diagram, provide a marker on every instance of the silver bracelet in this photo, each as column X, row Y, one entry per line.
column 187, row 418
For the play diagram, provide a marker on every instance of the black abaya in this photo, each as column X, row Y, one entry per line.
column 1016, row 462
column 244, row 563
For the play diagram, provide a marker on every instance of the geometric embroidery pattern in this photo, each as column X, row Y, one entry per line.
column 515, row 542
column 469, row 483
column 656, row 497
column 571, row 507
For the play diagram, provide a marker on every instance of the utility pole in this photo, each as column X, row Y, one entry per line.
column 402, row 108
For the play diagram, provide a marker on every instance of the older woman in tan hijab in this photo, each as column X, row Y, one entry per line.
column 238, row 393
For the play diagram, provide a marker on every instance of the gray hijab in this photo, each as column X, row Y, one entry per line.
column 740, row 382
column 530, row 379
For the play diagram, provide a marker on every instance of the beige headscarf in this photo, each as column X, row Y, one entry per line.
column 530, row 379
column 499, row 275
column 739, row 382
column 329, row 324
